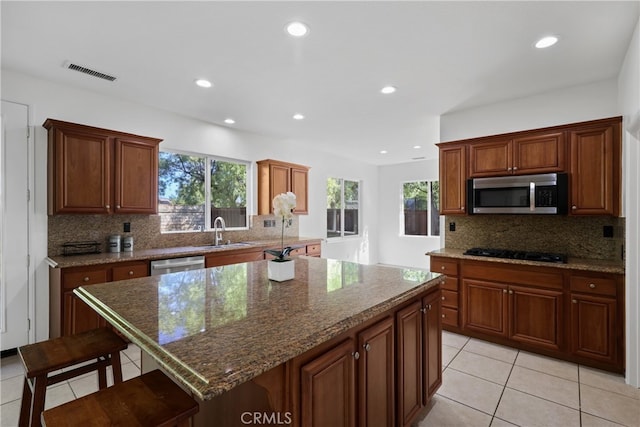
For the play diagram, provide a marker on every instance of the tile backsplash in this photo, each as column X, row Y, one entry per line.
column 580, row 237
column 145, row 230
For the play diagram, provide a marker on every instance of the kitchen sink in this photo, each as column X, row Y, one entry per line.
column 227, row 245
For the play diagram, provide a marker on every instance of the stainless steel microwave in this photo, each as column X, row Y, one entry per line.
column 519, row 194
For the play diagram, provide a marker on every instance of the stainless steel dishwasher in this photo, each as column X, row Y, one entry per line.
column 163, row 266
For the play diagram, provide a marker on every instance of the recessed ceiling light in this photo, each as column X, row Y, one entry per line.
column 229, row 121
column 388, row 89
column 546, row 42
column 203, row 83
column 297, row 29
column 298, row 116
column 383, row 151
column 417, row 146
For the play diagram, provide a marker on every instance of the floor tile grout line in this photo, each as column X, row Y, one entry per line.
column 463, row 404
column 504, row 388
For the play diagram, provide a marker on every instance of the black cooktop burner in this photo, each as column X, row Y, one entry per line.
column 505, row 253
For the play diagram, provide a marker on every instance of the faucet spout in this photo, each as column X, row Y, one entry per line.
column 217, row 232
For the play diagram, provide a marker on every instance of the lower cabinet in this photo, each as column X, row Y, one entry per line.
column 593, row 327
column 380, row 375
column 218, row 259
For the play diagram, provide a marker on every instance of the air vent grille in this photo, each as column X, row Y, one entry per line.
column 418, row 158
column 89, row 71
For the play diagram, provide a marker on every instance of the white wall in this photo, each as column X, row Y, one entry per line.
column 50, row 100
column 629, row 104
column 566, row 105
column 394, row 247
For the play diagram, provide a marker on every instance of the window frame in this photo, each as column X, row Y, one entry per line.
column 207, row 189
column 429, row 210
column 342, row 210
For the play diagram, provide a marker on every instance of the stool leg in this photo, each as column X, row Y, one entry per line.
column 25, row 405
column 116, row 367
column 37, row 405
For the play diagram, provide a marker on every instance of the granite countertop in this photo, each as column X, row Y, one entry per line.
column 601, row 266
column 61, row 261
column 216, row 328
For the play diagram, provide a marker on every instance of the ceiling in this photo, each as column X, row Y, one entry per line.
column 441, row 56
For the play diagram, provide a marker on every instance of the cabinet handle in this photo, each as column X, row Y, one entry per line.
column 504, row 291
column 423, row 310
column 367, row 346
column 356, row 355
column 510, row 292
column 515, row 168
column 442, row 298
column 575, row 301
column 509, row 169
column 443, row 316
column 107, row 206
column 429, row 307
column 117, row 206
column 574, row 207
column 443, row 268
column 462, row 208
column 592, row 285
column 86, row 279
column 130, row 272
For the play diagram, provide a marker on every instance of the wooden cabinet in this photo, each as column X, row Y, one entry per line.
column 450, row 293
column 522, row 154
column 313, row 250
column 522, row 304
column 328, row 388
column 235, row 257
column 453, row 179
column 419, row 349
column 93, row 170
column 595, row 178
column 276, row 177
column 376, row 376
column 595, row 323
column 70, row 315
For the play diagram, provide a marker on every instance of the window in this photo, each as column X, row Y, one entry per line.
column 343, row 207
column 421, row 203
column 190, row 198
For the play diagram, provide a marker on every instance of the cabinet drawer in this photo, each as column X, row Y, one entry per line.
column 449, row 299
column 450, row 316
column 130, row 271
column 593, row 285
column 450, row 283
column 313, row 250
column 444, row 266
column 298, row 251
column 73, row 279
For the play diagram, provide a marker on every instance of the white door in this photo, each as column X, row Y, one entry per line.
column 14, row 219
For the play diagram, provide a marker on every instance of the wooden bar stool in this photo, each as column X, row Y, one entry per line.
column 151, row 399
column 41, row 359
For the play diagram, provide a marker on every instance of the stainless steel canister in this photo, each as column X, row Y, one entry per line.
column 114, row 243
column 127, row 244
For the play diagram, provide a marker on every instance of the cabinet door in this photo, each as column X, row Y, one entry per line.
column 280, row 180
column 376, row 388
column 78, row 316
column 593, row 327
column 432, row 338
column 80, row 176
column 453, row 180
column 299, row 187
column 485, row 307
column 542, row 153
column 536, row 316
column 136, row 177
column 215, row 260
column 592, row 171
column 328, row 388
column 410, row 374
column 491, row 158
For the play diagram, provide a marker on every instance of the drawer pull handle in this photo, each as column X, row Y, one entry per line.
column 592, row 285
column 367, row 347
column 86, row 279
column 504, row 291
column 130, row 272
column 510, row 292
column 443, row 316
column 443, row 267
column 575, row 301
column 356, row 355
column 442, row 298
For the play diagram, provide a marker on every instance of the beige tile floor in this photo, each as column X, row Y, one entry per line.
column 483, row 385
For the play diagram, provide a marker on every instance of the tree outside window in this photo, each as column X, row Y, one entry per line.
column 421, row 205
column 190, row 199
column 343, row 207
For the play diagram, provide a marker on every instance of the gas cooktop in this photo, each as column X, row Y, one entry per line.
column 524, row 255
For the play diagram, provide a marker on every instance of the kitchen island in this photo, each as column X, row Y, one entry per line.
column 241, row 343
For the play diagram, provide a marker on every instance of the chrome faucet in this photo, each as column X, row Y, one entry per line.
column 216, row 232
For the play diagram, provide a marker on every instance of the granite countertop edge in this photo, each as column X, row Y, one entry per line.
column 61, row 261
column 584, row 264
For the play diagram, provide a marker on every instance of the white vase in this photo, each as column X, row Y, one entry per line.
column 281, row 271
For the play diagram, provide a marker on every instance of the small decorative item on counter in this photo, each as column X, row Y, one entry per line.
column 114, row 243
column 282, row 268
column 81, row 248
column 127, row 244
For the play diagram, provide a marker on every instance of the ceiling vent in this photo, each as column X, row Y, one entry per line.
column 89, row 71
column 418, row 158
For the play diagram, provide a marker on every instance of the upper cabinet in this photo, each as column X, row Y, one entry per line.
column 453, row 176
column 276, row 177
column 590, row 152
column 99, row 171
column 525, row 154
column 596, row 169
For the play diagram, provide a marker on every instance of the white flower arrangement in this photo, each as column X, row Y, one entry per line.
column 283, row 206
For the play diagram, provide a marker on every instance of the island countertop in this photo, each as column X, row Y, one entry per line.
column 216, row 328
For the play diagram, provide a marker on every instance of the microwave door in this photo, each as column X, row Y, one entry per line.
column 513, row 199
